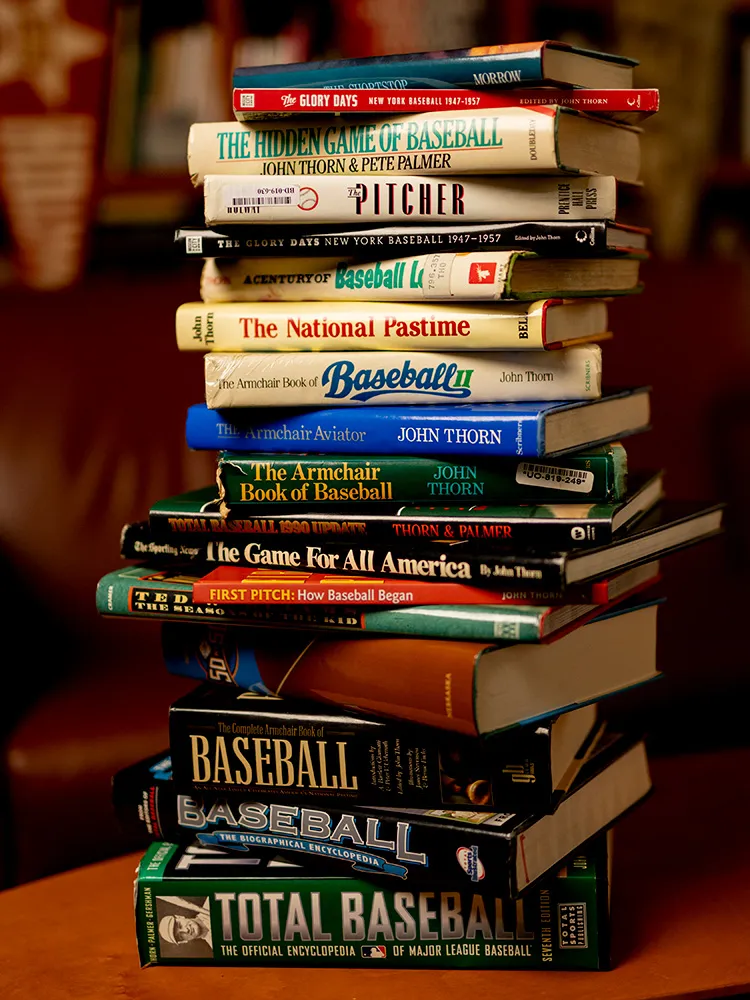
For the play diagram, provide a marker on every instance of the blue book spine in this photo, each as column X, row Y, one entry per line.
column 402, row 72
column 375, row 431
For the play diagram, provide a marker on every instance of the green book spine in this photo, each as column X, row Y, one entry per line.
column 256, row 480
column 511, row 623
column 137, row 592
column 192, row 909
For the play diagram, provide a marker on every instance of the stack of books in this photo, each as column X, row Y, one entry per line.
column 424, row 565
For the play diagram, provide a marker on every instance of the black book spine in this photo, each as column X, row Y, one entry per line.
column 553, row 238
column 290, row 753
column 397, row 847
column 461, row 562
column 543, row 534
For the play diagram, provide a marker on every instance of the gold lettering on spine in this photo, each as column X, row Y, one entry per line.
column 221, row 764
column 283, row 762
column 239, row 744
column 260, row 760
column 342, row 769
column 323, row 767
column 201, row 763
column 305, row 766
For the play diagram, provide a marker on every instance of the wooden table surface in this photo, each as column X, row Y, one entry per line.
column 681, row 920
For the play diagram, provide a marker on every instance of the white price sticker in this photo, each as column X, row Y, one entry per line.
column 436, row 280
column 554, row 477
column 249, row 198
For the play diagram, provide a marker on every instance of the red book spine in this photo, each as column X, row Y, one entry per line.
column 242, row 585
column 250, row 102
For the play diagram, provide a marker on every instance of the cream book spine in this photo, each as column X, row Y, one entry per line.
column 347, row 326
column 434, row 276
column 250, row 197
column 403, row 377
column 508, row 140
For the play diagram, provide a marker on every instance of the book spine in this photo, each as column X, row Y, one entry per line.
column 369, row 378
column 354, row 431
column 176, row 540
column 460, row 68
column 302, row 326
column 239, row 198
column 248, row 481
column 323, row 758
column 437, row 622
column 393, row 847
column 249, row 103
column 410, row 558
column 346, row 922
column 435, row 276
column 510, row 140
column 490, row 526
column 552, row 237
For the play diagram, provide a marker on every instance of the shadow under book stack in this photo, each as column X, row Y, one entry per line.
column 424, row 566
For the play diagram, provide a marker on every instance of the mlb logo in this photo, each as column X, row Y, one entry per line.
column 482, row 274
column 373, row 951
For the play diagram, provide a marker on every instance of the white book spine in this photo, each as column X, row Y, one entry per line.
column 396, row 378
column 247, row 197
column 345, row 326
column 437, row 276
column 507, row 140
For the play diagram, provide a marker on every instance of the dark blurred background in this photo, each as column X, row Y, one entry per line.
column 95, row 101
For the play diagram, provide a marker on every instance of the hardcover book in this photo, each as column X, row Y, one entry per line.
column 465, row 687
column 531, row 430
column 423, row 847
column 542, row 528
column 596, row 474
column 222, row 740
column 441, row 621
column 179, row 535
column 623, row 104
column 326, row 198
column 195, row 907
column 391, row 378
column 540, row 140
column 553, row 237
column 408, row 326
column 525, row 64
column 669, row 527
column 519, row 275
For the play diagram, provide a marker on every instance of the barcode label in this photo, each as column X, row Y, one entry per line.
column 571, row 925
column 247, row 100
column 284, row 199
column 194, row 244
column 555, row 478
column 250, row 198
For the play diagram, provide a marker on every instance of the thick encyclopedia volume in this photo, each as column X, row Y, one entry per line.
column 513, row 140
column 493, row 429
column 627, row 104
column 559, row 237
column 526, row 64
column 489, row 276
column 391, row 326
column 596, row 475
column 199, row 908
column 253, row 198
column 457, row 847
column 381, row 377
column 222, row 740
